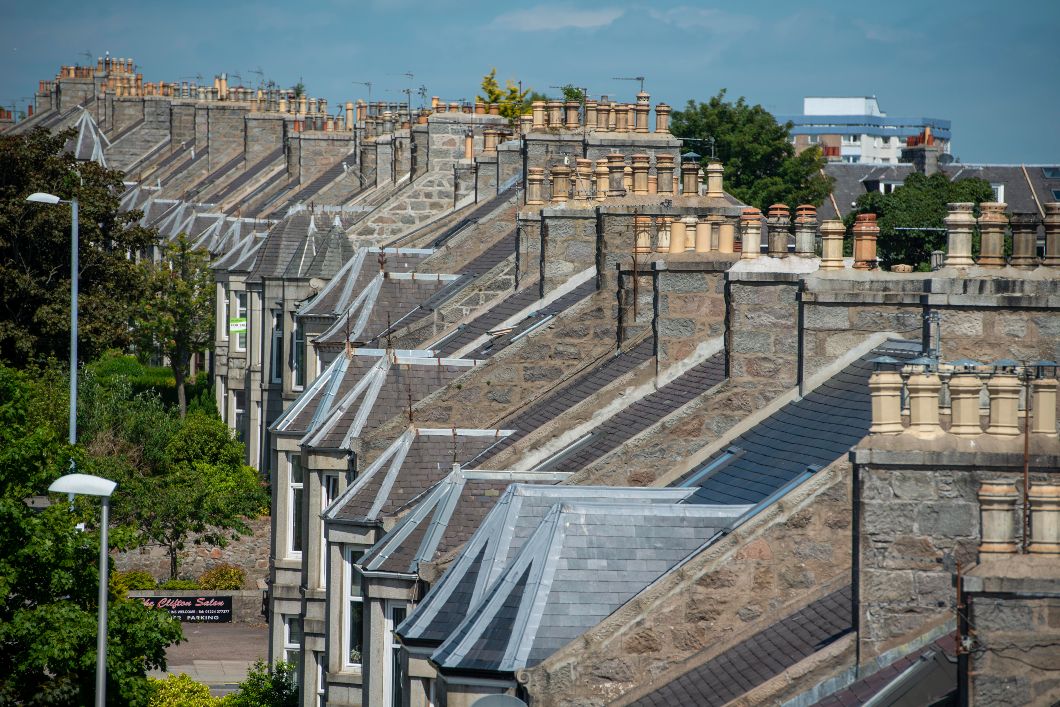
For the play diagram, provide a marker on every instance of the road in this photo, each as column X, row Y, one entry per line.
column 218, row 655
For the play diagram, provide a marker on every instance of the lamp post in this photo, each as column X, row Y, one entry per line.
column 88, row 485
column 45, row 198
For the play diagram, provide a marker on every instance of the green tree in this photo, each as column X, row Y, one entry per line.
column 35, row 252
column 572, row 93
column 761, row 167
column 266, row 686
column 920, row 204
column 175, row 318
column 511, row 100
column 49, row 574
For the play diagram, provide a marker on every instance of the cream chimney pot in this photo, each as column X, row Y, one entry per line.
column 1025, row 240
column 1043, row 405
column 959, row 224
column 992, row 222
column 1045, row 519
column 997, row 505
column 924, row 405
column 1004, row 389
column 885, row 388
column 1052, row 235
column 677, row 236
column 751, row 227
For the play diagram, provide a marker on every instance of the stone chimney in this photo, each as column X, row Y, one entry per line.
column 715, row 178
column 603, row 116
column 601, row 174
column 997, row 506
column 924, row 390
column 992, row 222
column 865, row 233
column 616, row 164
column 555, row 114
column 1045, row 519
column 959, row 224
column 560, row 183
column 1052, row 235
column 571, row 121
column 535, row 177
column 805, row 231
column 751, row 227
column 583, row 178
column 779, row 221
column 664, row 170
column 537, row 109
column 641, row 163
column 662, row 118
column 885, row 389
column 689, row 178
column 1025, row 239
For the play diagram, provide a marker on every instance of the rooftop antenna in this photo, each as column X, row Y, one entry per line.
column 369, row 85
column 88, row 56
column 260, row 74
column 630, row 78
column 709, row 140
column 422, row 93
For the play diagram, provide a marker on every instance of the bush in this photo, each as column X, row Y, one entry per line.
column 141, row 378
column 180, row 691
column 223, row 576
column 266, row 686
column 179, row 584
column 121, row 583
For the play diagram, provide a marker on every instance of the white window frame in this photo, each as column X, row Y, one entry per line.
column 239, row 414
column 276, row 354
column 390, row 645
column 241, row 313
column 290, row 645
column 329, row 491
column 814, row 139
column 999, row 192
column 298, row 356
column 321, row 692
column 293, row 517
column 349, row 598
column 226, row 312
column 224, row 400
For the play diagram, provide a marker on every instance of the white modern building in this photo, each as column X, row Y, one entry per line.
column 854, row 129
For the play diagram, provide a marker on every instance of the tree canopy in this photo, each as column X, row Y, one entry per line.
column 511, row 101
column 920, row 204
column 35, row 252
column 49, row 573
column 761, row 167
column 175, row 317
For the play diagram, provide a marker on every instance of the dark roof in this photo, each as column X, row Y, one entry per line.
column 641, row 415
column 507, row 307
column 560, row 304
column 759, row 658
column 275, row 157
column 356, row 273
column 814, row 430
column 582, row 562
column 417, row 460
column 567, row 396
column 496, row 541
column 281, row 243
column 922, row 677
column 445, row 517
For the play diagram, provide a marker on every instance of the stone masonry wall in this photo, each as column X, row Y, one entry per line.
column 689, row 305
column 424, row 200
column 225, row 133
column 763, row 335
column 790, row 554
column 264, row 133
column 485, row 176
column 251, row 552
column 512, row 378
column 126, row 111
column 568, row 240
column 915, row 508
column 319, row 152
column 528, row 246
column 182, row 118
column 157, row 112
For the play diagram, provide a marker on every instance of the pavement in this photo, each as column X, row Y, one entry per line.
column 219, row 655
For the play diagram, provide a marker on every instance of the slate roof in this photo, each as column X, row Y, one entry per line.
column 641, row 415
column 354, row 276
column 556, row 402
column 90, row 142
column 275, row 157
column 536, row 318
column 814, row 430
column 498, row 538
column 760, row 657
column 923, row 676
column 417, row 460
column 582, row 562
column 281, row 243
column 445, row 517
column 507, row 307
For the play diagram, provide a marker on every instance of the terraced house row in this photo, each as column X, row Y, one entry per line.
column 548, row 413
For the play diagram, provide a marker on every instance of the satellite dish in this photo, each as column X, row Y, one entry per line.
column 945, row 158
column 498, row 701
column 316, row 284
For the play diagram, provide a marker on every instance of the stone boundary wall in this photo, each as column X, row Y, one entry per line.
column 251, row 552
column 791, row 553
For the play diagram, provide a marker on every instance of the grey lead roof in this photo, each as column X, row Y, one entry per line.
column 582, row 562
column 498, row 538
column 814, row 431
column 445, row 517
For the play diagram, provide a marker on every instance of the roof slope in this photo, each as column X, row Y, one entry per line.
column 498, row 538
column 813, row 431
column 759, row 658
column 582, row 562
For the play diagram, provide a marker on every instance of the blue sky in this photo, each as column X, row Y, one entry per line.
column 989, row 68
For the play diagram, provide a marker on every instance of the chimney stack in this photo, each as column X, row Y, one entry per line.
column 621, row 118
column 560, row 183
column 885, row 388
column 865, row 233
column 602, row 176
column 662, row 118
column 571, row 122
column 992, row 222
column 959, row 224
column 689, row 178
column 997, row 506
column 538, row 109
column 751, row 227
column 535, row 177
column 1024, row 240
column 924, row 390
column 715, row 177
column 664, row 170
column 641, row 162
column 616, row 164
column 1052, row 234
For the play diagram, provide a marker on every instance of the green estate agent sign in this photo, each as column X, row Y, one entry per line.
column 238, row 326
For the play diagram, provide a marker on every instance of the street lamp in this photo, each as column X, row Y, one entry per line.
column 88, row 485
column 45, row 198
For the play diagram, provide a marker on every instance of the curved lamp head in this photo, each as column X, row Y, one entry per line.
column 84, row 484
column 41, row 197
